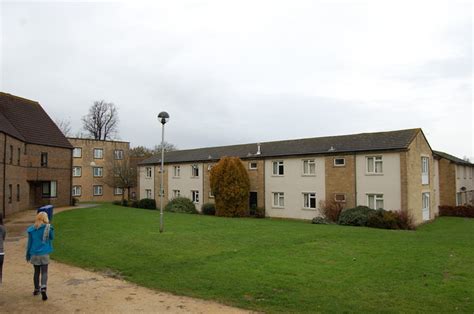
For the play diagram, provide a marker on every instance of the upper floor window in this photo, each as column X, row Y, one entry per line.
column 19, row 156
column 252, row 165
column 278, row 168
column 374, row 164
column 44, row 159
column 118, row 154
column 77, row 152
column 339, row 162
column 425, row 170
column 309, row 167
column 76, row 171
column 176, row 171
column 195, row 170
column 278, row 199
column 309, row 200
column 17, row 192
column 375, row 201
column 148, row 172
column 98, row 171
column 98, row 153
column 11, row 154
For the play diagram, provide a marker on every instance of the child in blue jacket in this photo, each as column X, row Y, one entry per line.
column 40, row 236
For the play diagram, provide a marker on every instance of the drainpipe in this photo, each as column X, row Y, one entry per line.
column 4, row 172
column 355, row 180
column 70, row 185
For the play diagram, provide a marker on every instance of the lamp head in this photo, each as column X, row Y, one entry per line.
column 163, row 117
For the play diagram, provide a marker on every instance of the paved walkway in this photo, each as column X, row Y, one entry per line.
column 74, row 290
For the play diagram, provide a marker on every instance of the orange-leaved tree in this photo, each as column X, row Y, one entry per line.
column 230, row 185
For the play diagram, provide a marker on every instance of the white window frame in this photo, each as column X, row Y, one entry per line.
column 210, row 194
column 278, row 168
column 176, row 193
column 278, row 199
column 307, row 163
column 425, row 205
column 118, row 154
column 98, row 155
column 307, row 197
column 339, row 165
column 148, row 193
column 374, row 160
column 251, row 167
column 340, row 201
column 176, row 171
column 195, row 196
column 77, row 171
column 76, row 190
column 195, row 171
column 97, row 190
column 425, row 170
column 377, row 197
column 74, row 152
column 148, row 172
column 98, row 172
column 118, row 191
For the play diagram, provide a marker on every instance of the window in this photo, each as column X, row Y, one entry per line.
column 17, row 192
column 375, row 201
column 176, row 171
column 252, row 165
column 11, row 154
column 340, row 197
column 118, row 154
column 425, row 200
column 374, row 164
column 76, row 190
column 148, row 193
column 309, row 200
column 464, row 170
column 309, row 167
column 211, row 195
column 195, row 196
column 148, row 172
column 10, row 192
column 76, row 171
column 49, row 189
column 97, row 190
column 98, row 171
column 19, row 155
column 44, row 159
column 98, row 153
column 339, row 162
column 278, row 199
column 470, row 173
column 425, row 170
column 278, row 168
column 176, row 193
column 195, row 170
column 118, row 191
column 77, row 152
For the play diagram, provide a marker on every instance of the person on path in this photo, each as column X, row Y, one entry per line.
column 3, row 234
column 40, row 236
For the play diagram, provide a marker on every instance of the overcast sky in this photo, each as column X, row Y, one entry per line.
column 231, row 72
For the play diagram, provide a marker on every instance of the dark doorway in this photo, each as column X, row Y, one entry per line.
column 253, row 201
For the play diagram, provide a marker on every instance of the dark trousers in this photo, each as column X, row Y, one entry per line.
column 1, row 267
column 43, row 270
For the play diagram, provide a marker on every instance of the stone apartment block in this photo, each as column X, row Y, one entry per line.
column 35, row 157
column 391, row 170
column 93, row 169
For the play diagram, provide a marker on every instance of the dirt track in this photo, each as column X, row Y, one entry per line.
column 74, row 290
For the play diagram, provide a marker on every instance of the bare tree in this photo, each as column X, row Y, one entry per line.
column 142, row 151
column 168, row 148
column 64, row 126
column 120, row 174
column 102, row 120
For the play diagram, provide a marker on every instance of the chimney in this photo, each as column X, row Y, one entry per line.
column 258, row 149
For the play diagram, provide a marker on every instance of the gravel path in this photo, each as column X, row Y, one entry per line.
column 74, row 290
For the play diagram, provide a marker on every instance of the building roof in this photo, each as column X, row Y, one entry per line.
column 380, row 141
column 452, row 158
column 26, row 120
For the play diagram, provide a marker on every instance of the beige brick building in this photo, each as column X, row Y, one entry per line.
column 35, row 157
column 93, row 169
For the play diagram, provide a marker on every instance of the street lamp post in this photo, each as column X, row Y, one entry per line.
column 163, row 117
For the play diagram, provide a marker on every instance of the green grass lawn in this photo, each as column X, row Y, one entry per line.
column 277, row 265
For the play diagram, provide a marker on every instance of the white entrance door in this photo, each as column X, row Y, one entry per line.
column 426, row 206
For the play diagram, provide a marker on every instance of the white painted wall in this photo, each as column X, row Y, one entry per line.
column 388, row 183
column 146, row 183
column 464, row 178
column 185, row 183
column 293, row 183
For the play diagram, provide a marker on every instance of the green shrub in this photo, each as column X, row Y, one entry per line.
column 457, row 211
column 147, row 203
column 117, row 203
column 357, row 216
column 208, row 209
column 259, row 212
column 320, row 221
column 125, row 202
column 181, row 205
column 134, row 203
column 386, row 219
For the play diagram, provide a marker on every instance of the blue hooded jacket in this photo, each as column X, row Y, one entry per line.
column 39, row 243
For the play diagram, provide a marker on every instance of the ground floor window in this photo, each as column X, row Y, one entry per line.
column 148, row 193
column 10, row 193
column 176, row 193
column 76, row 190
column 118, row 191
column 98, row 190
column 49, row 189
column 17, row 192
column 375, row 201
column 309, row 200
column 195, row 196
column 278, row 199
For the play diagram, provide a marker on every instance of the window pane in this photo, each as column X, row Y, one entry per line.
column 379, row 204
column 371, row 201
column 370, row 164
column 275, row 168
column 53, row 188
column 378, row 167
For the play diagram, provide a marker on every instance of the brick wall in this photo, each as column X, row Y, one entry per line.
column 341, row 179
column 447, row 182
